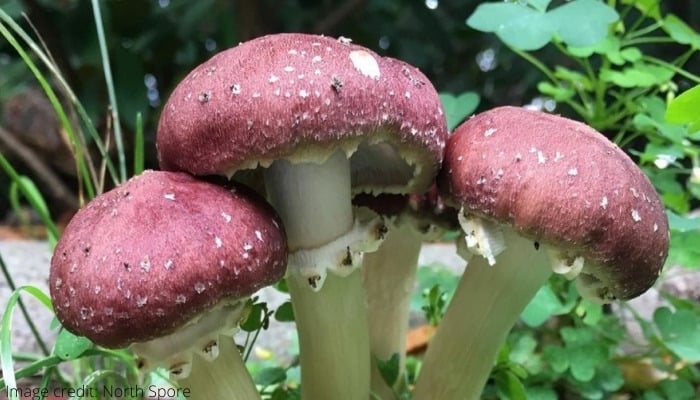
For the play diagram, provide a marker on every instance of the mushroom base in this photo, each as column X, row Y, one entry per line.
column 333, row 338
column 389, row 277
column 485, row 306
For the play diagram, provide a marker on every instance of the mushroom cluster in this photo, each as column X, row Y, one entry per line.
column 351, row 165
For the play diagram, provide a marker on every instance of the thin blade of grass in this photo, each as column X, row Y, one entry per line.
column 23, row 309
column 107, row 69
column 6, row 358
column 57, row 106
column 138, row 145
column 36, row 200
column 82, row 113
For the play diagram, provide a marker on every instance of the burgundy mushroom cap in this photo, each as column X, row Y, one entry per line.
column 559, row 182
column 145, row 258
column 302, row 97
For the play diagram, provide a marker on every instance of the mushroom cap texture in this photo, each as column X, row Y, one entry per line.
column 560, row 182
column 301, row 97
column 146, row 257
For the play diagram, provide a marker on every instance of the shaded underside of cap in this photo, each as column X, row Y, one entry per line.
column 300, row 97
column 560, row 182
column 141, row 260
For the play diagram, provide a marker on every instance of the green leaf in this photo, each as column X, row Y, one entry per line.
column 558, row 93
column 270, row 376
column 684, row 109
column 389, row 369
column 646, row 7
column 255, row 320
column 678, row 389
column 517, row 25
column 541, row 307
column 640, row 75
column 610, row 377
column 682, row 223
column 557, row 358
column 541, row 393
column 285, row 312
column 684, row 249
column 509, row 386
column 70, row 346
column 457, row 108
column 680, row 32
column 582, row 22
column 679, row 332
column 590, row 311
column 584, row 360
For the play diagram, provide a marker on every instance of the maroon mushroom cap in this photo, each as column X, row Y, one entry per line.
column 560, row 182
column 145, row 258
column 301, row 97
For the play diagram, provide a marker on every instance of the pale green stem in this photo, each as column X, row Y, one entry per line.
column 389, row 278
column 314, row 202
column 333, row 339
column 225, row 377
column 485, row 306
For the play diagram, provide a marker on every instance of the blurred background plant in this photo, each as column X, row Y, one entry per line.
column 626, row 67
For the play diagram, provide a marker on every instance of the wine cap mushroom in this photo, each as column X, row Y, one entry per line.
column 560, row 183
column 301, row 98
column 324, row 119
column 164, row 255
column 539, row 194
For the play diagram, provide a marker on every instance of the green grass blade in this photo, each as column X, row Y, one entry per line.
column 6, row 358
column 22, row 308
column 65, row 87
column 36, row 200
column 58, row 107
column 107, row 69
column 138, row 145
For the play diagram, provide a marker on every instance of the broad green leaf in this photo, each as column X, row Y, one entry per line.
column 685, row 108
column 285, row 312
column 610, row 377
column 584, row 358
column 679, row 332
column 575, row 77
column 517, row 25
column 678, row 389
column 509, row 386
column 583, row 22
column 457, row 108
column 541, row 307
column 684, row 249
column 640, row 75
column 682, row 223
column 270, row 376
column 631, row 54
column 389, row 369
column 558, row 93
column 557, row 358
column 541, row 393
column 680, row 31
column 69, row 346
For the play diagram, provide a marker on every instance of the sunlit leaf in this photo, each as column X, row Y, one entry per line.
column 517, row 25
column 582, row 22
column 457, row 108
column 684, row 109
column 679, row 332
column 680, row 31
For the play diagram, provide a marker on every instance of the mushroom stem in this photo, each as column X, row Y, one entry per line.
column 314, row 202
column 389, row 277
column 333, row 340
column 485, row 306
column 225, row 377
